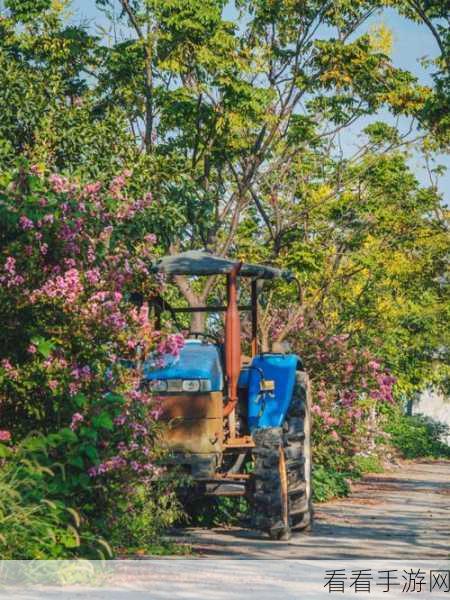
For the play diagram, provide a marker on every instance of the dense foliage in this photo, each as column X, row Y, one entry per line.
column 72, row 255
column 223, row 126
column 416, row 436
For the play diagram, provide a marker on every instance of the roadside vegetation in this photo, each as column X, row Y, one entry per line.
column 188, row 124
column 417, row 436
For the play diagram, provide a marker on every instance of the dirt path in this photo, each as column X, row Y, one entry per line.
column 402, row 514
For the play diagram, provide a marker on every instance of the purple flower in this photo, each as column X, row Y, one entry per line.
column 58, row 183
column 26, row 223
column 48, row 219
column 10, row 265
column 120, row 420
column 171, row 345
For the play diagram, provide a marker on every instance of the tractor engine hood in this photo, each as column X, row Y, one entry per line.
column 197, row 361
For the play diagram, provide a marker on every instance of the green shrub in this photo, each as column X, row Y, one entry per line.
column 34, row 525
column 328, row 483
column 367, row 464
column 416, row 436
column 331, row 482
column 137, row 521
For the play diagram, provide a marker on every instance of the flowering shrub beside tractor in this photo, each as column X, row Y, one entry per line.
column 71, row 255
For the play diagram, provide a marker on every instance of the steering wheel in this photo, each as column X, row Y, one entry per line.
column 206, row 336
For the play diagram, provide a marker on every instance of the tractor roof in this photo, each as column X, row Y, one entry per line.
column 196, row 262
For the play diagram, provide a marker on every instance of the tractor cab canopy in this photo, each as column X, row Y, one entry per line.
column 197, row 263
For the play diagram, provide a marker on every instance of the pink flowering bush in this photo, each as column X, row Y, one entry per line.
column 350, row 388
column 72, row 258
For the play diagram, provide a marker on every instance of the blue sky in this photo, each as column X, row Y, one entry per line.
column 411, row 43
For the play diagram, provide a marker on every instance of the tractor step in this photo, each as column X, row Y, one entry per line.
column 246, row 441
column 225, row 477
column 225, row 488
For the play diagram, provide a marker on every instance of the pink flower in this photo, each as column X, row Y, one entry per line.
column 116, row 462
column 77, row 418
column 92, row 276
column 171, row 345
column 150, row 238
column 374, row 365
column 106, row 233
column 73, row 388
column 53, row 384
column 59, row 184
column 26, row 223
column 67, row 287
column 321, row 395
column 48, row 219
column 92, row 188
column 10, row 265
column 120, row 420
column 31, row 349
column 156, row 412
column 348, row 397
column 5, row 436
column 82, row 373
column 11, row 371
column 334, row 435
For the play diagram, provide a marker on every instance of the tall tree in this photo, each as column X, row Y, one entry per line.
column 227, row 107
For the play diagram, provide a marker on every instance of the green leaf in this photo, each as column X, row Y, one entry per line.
column 90, row 451
column 67, row 435
column 4, row 451
column 103, row 420
column 80, row 400
column 76, row 461
column 43, row 346
column 54, row 439
column 88, row 433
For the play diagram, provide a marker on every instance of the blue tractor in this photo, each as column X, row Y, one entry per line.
column 239, row 424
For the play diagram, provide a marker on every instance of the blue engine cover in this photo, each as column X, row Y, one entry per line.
column 268, row 409
column 197, row 360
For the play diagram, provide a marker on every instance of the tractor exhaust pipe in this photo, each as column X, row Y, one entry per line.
column 232, row 341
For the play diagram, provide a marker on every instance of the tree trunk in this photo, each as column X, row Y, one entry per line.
column 198, row 322
column 198, row 319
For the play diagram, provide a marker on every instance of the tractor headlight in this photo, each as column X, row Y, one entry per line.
column 159, row 385
column 181, row 385
column 191, row 385
column 196, row 385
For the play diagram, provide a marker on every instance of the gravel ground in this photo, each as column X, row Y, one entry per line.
column 404, row 513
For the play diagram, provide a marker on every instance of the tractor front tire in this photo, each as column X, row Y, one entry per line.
column 282, row 469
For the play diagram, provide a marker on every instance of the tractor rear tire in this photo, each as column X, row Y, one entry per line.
column 282, row 469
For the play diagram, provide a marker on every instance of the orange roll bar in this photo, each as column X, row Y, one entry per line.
column 232, row 341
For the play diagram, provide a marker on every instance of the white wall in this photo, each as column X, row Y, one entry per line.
column 434, row 405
